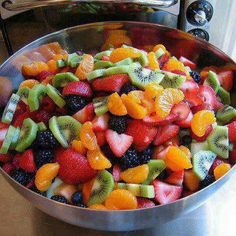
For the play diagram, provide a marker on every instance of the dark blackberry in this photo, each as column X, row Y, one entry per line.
column 127, row 87
column 207, row 181
column 77, row 198
column 196, row 76
column 21, row 176
column 34, row 189
column 59, row 198
column 75, row 103
column 109, row 154
column 129, row 159
column 186, row 140
column 81, row 205
column 118, row 123
column 43, row 156
column 145, row 156
column 45, row 139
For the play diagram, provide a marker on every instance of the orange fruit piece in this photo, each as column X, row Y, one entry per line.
column 85, row 67
column 97, row 207
column 116, row 105
column 152, row 60
column 57, row 57
column 34, row 68
column 221, row 170
column 136, row 95
column 48, row 80
column 120, row 54
column 28, row 83
column 186, row 151
column 176, row 159
column 152, row 90
column 116, row 40
column 200, row 122
column 88, row 137
column 136, row 175
column 45, row 175
column 191, row 181
column 174, row 64
column 52, row 66
column 78, row 146
column 121, row 199
column 87, row 189
column 97, row 160
column 167, row 98
column 158, row 46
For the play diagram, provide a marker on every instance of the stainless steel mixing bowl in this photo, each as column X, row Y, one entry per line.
column 90, row 38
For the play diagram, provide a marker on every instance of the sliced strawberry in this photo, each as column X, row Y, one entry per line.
column 188, row 63
column 48, row 104
column 43, row 75
column 8, row 168
column 27, row 161
column 218, row 105
column 203, row 138
column 172, row 141
column 190, row 86
column 163, row 59
column 142, row 134
column 232, row 157
column 3, row 131
column 182, row 110
column 4, row 158
column 166, row 193
column 86, row 114
column 232, row 131
column 178, row 72
column 101, row 137
column 119, row 143
column 100, row 123
column 155, row 120
column 78, row 88
column 193, row 99
column 176, row 178
column 159, row 152
column 112, row 83
column 41, row 116
column 16, row 160
column 203, row 106
column 145, row 203
column 226, row 79
column 116, row 171
column 164, row 133
column 18, row 121
column 208, row 95
column 185, row 123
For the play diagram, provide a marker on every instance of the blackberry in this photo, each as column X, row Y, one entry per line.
column 118, row 123
column 75, row 103
column 21, row 176
column 59, row 198
column 127, row 87
column 77, row 198
column 43, row 156
column 186, row 140
column 129, row 159
column 196, row 76
column 145, row 156
column 207, row 181
column 34, row 189
column 45, row 139
column 109, row 154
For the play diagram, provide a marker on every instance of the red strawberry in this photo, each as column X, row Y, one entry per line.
column 78, row 88
column 116, row 171
column 145, row 203
column 232, row 157
column 4, row 158
column 185, row 123
column 193, row 99
column 8, row 168
column 176, row 178
column 27, row 161
column 16, row 160
column 203, row 106
column 18, row 121
column 3, row 131
column 101, row 137
column 190, row 86
column 164, row 133
column 232, row 131
column 155, row 120
column 112, row 83
column 179, row 72
column 163, row 59
column 43, row 75
column 142, row 134
column 208, row 95
column 182, row 110
column 203, row 138
column 160, row 153
column 74, row 168
column 166, row 193
column 172, row 141
column 119, row 143
column 48, row 104
column 41, row 116
column 100, row 123
column 226, row 79
column 86, row 114
column 188, row 63
column 30, row 184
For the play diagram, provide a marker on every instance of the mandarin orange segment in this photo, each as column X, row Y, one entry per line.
column 136, row 95
column 152, row 61
column 116, row 40
column 78, row 146
column 85, row 67
column 136, row 175
column 186, row 151
column 29, row 83
column 87, row 189
column 87, row 136
column 60, row 56
column 34, row 68
column 176, row 159
column 116, row 105
column 52, row 66
column 121, row 199
column 158, row 46
column 97, row 160
column 120, row 54
column 97, row 207
column 152, row 90
column 174, row 64
column 201, row 121
column 221, row 170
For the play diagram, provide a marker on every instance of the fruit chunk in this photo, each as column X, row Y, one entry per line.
column 232, row 131
column 152, row 90
column 62, row 79
column 224, row 96
column 98, row 207
column 100, row 105
column 79, row 147
column 116, row 105
column 172, row 80
column 191, row 181
column 88, row 137
column 35, row 96
column 188, row 63
column 182, row 110
column 27, row 161
column 86, row 190
column 196, row 146
column 100, row 123
column 121, row 199
column 145, row 203
column 55, row 95
column 85, row 67
column 152, row 61
column 226, row 79
column 176, row 178
column 86, row 114
column 29, row 83
column 123, row 53
column 226, row 114
column 8, row 140
column 53, row 187
column 34, row 68
column 221, row 170
column 212, row 81
column 78, row 88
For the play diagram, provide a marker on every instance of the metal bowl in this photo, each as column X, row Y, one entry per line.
column 90, row 38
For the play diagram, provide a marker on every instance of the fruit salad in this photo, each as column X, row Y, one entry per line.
column 121, row 129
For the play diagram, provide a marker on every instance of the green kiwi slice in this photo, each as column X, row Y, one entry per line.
column 172, row 80
column 15, row 139
column 125, row 62
column 35, row 96
column 102, row 65
column 224, row 96
column 155, row 168
column 226, row 114
column 42, row 126
column 24, row 94
column 143, row 59
column 73, row 60
column 10, row 109
column 55, row 95
column 139, row 190
column 61, row 63
column 62, row 79
column 159, row 52
column 218, row 141
column 212, row 81
column 117, row 70
column 65, row 129
column 141, row 76
column 202, row 162
column 28, row 134
column 99, row 55
column 52, row 189
column 96, row 74
column 100, row 105
column 195, row 147
column 8, row 140
column 103, row 185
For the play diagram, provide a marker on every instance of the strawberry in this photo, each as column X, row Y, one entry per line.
column 176, row 178
column 203, row 106
column 78, row 88
column 74, row 168
column 208, row 95
column 203, row 138
column 172, row 141
column 3, row 131
column 178, row 72
column 116, row 171
column 164, row 133
column 193, row 99
column 163, row 59
column 48, row 104
column 232, row 131
column 232, row 157
column 119, row 143
column 16, row 160
column 185, row 123
column 160, row 152
column 190, row 86
column 112, row 83
column 188, row 63
column 18, row 121
column 86, row 114
column 145, row 203
column 4, row 158
column 142, row 134
column 43, row 75
column 182, row 110
column 100, row 123
column 155, row 120
column 101, row 137
column 40, row 116
column 166, row 193
column 226, row 79
column 8, row 168
column 27, row 161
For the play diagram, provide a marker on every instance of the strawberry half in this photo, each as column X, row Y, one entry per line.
column 176, row 178
column 27, row 161
column 86, row 114
column 101, row 137
column 145, row 203
column 18, row 120
column 208, row 95
column 78, row 88
column 100, row 123
column 157, row 121
column 203, row 106
column 189, row 86
column 119, row 143
column 160, row 153
column 226, row 79
column 166, row 193
column 116, row 171
column 182, row 110
column 3, row 131
column 232, row 131
column 48, row 104
column 4, row 158
column 112, row 83
column 188, row 63
column 185, row 123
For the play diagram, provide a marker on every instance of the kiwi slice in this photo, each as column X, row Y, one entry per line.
column 224, row 96
column 141, row 76
column 65, row 129
column 100, row 105
column 139, row 190
column 42, row 126
column 226, row 114
column 212, row 81
column 24, row 93
column 155, row 168
column 35, row 96
column 125, row 62
column 218, row 141
column 52, row 189
column 28, row 134
column 202, row 162
column 10, row 109
column 102, row 65
column 198, row 146
column 159, row 52
column 62, row 79
column 99, row 55
column 143, row 59
column 8, row 140
column 15, row 139
column 55, row 95
column 172, row 80
column 61, row 63
column 96, row 74
column 102, row 186
column 117, row 70
column 73, row 60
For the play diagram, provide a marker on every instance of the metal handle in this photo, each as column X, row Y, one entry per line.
column 19, row 5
